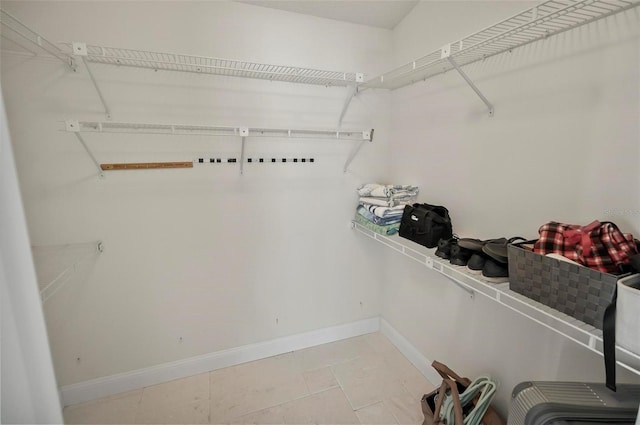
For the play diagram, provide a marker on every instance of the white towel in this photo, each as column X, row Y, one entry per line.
column 387, row 191
column 385, row 212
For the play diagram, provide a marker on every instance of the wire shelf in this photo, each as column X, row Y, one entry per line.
column 549, row 18
column 202, row 130
column 569, row 327
column 56, row 264
column 215, row 66
column 30, row 41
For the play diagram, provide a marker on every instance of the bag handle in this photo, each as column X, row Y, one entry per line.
column 609, row 341
column 455, row 397
column 446, row 373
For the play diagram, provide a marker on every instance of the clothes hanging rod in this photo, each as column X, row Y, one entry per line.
column 75, row 126
column 539, row 22
column 215, row 66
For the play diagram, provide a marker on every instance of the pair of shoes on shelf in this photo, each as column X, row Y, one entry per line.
column 444, row 247
column 448, row 249
column 489, row 257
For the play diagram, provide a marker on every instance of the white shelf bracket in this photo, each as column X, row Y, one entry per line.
column 351, row 92
column 367, row 136
column 73, row 126
column 244, row 133
column 80, row 49
column 445, row 53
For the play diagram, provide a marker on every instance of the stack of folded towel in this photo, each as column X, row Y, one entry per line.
column 381, row 206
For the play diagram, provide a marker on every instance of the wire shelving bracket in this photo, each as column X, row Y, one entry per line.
column 22, row 36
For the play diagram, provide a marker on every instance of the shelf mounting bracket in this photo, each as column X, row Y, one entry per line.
column 445, row 53
column 80, row 49
column 351, row 92
column 244, row 133
column 73, row 126
column 367, row 136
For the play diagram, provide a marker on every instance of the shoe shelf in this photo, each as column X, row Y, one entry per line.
column 575, row 330
column 56, row 264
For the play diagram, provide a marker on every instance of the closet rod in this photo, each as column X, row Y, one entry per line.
column 203, row 130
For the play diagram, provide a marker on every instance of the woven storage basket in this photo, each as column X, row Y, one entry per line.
column 575, row 290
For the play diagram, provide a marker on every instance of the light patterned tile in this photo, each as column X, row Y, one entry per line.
column 407, row 373
column 376, row 414
column 379, row 343
column 116, row 409
column 327, row 407
column 181, row 391
column 255, row 386
column 405, row 408
column 270, row 416
column 332, row 353
column 367, row 380
column 173, row 413
column 320, row 380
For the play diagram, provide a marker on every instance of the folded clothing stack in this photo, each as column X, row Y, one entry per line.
column 380, row 207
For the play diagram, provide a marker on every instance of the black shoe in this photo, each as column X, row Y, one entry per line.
column 459, row 255
column 444, row 247
column 476, row 262
column 495, row 272
column 498, row 249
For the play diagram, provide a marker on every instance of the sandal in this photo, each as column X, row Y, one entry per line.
column 497, row 249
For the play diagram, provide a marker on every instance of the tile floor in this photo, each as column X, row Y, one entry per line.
column 362, row 380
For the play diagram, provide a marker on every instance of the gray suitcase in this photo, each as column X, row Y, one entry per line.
column 546, row 403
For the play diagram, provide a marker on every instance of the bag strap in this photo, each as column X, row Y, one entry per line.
column 446, row 373
column 455, row 397
column 609, row 341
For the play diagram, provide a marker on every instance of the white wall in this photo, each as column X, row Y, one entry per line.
column 563, row 145
column 196, row 260
column 28, row 384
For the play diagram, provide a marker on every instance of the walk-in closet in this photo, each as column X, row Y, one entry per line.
column 182, row 206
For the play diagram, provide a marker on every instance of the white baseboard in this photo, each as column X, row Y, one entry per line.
column 114, row 384
column 109, row 385
column 422, row 363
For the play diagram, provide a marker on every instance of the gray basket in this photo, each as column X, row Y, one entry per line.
column 575, row 290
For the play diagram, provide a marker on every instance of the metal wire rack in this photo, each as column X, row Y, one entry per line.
column 203, row 130
column 213, row 66
column 539, row 22
column 78, row 127
column 30, row 41
column 569, row 327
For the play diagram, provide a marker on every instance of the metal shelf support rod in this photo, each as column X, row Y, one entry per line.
column 357, row 149
column 244, row 139
column 351, row 92
column 473, row 86
column 93, row 158
column 95, row 84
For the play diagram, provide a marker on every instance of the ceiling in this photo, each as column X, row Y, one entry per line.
column 375, row 13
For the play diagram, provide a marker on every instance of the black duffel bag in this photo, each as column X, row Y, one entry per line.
column 425, row 224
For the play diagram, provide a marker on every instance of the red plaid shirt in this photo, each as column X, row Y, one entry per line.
column 600, row 246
